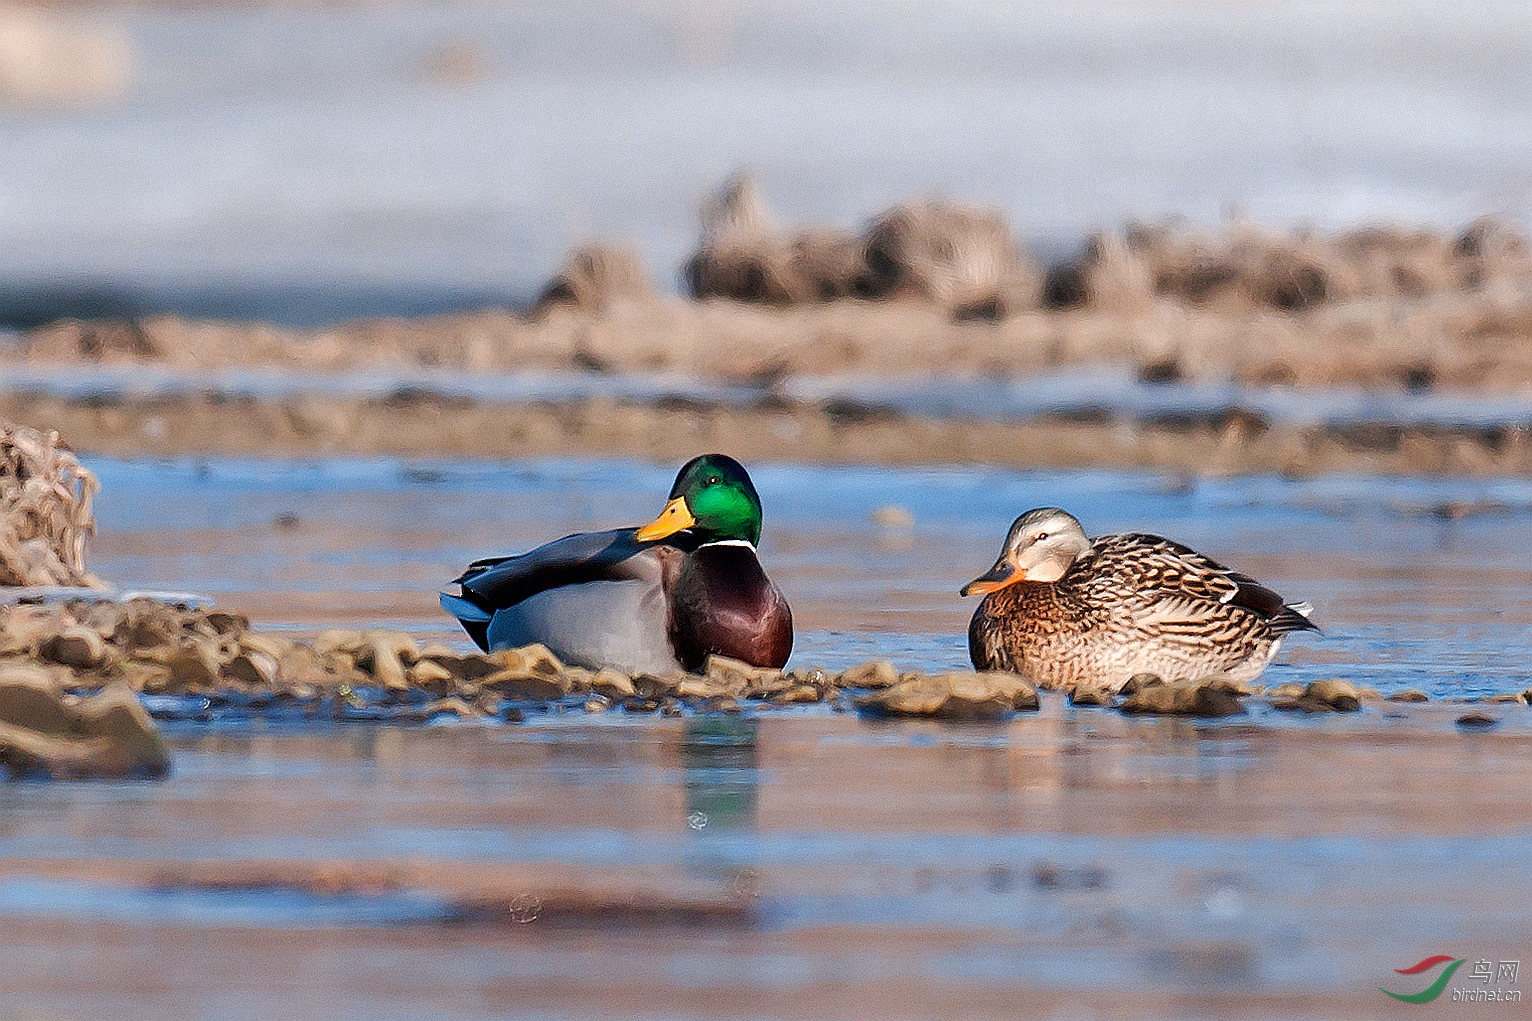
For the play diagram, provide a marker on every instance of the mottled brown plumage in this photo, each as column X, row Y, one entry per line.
column 1065, row 610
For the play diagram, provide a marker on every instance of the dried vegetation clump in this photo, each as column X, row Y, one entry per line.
column 745, row 256
column 595, row 277
column 1244, row 266
column 45, row 515
column 962, row 258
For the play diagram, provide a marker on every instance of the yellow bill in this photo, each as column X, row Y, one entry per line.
column 672, row 519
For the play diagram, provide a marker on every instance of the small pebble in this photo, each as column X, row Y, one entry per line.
column 1477, row 721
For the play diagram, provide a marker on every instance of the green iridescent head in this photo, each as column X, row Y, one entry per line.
column 714, row 498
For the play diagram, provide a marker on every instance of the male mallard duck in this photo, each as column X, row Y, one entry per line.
column 655, row 599
column 1067, row 610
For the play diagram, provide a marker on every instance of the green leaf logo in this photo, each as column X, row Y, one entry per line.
column 1433, row 990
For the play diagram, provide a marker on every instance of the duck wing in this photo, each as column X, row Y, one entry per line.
column 1174, row 582
column 496, row 583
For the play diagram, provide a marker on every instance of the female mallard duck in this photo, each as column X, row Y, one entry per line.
column 655, row 599
column 1067, row 610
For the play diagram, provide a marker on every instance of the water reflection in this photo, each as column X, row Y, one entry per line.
column 722, row 781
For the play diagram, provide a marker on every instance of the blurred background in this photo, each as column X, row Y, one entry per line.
column 310, row 162
column 335, row 297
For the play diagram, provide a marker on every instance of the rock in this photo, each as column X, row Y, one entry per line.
column 966, row 696
column 525, row 686
column 442, row 707
column 140, row 675
column 1516, row 697
column 302, row 665
column 1091, row 696
column 42, row 734
column 693, row 687
column 1183, row 699
column 578, row 680
column 432, row 677
column 1223, row 682
column 739, row 677
column 1302, row 705
column 1288, row 690
column 469, row 667
column 339, row 640
column 1477, row 721
column 24, row 629
column 531, row 659
column 613, row 684
column 797, row 686
column 31, row 698
column 77, row 646
column 1138, row 682
column 797, row 694
column 597, row 703
column 383, row 657
column 436, row 651
column 257, row 669
column 195, row 666
column 653, row 686
column 269, row 645
column 1409, row 695
column 145, row 624
column 877, row 673
column 1340, row 695
column 226, row 623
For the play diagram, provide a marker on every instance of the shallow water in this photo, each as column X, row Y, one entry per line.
column 1058, row 863
column 1408, row 597
column 802, row 862
column 1091, row 392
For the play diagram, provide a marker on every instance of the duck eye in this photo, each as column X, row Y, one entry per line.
column 1040, row 536
column 713, row 480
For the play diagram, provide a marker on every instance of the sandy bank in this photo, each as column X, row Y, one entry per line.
column 1480, row 340
column 428, row 425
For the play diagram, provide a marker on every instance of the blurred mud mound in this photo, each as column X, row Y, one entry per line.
column 745, row 256
column 960, row 257
column 45, row 514
column 51, row 58
column 1383, row 308
column 1247, row 267
column 595, row 277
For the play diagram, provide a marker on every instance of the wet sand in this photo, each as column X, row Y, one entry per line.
column 1457, row 340
column 1070, row 862
column 433, row 425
